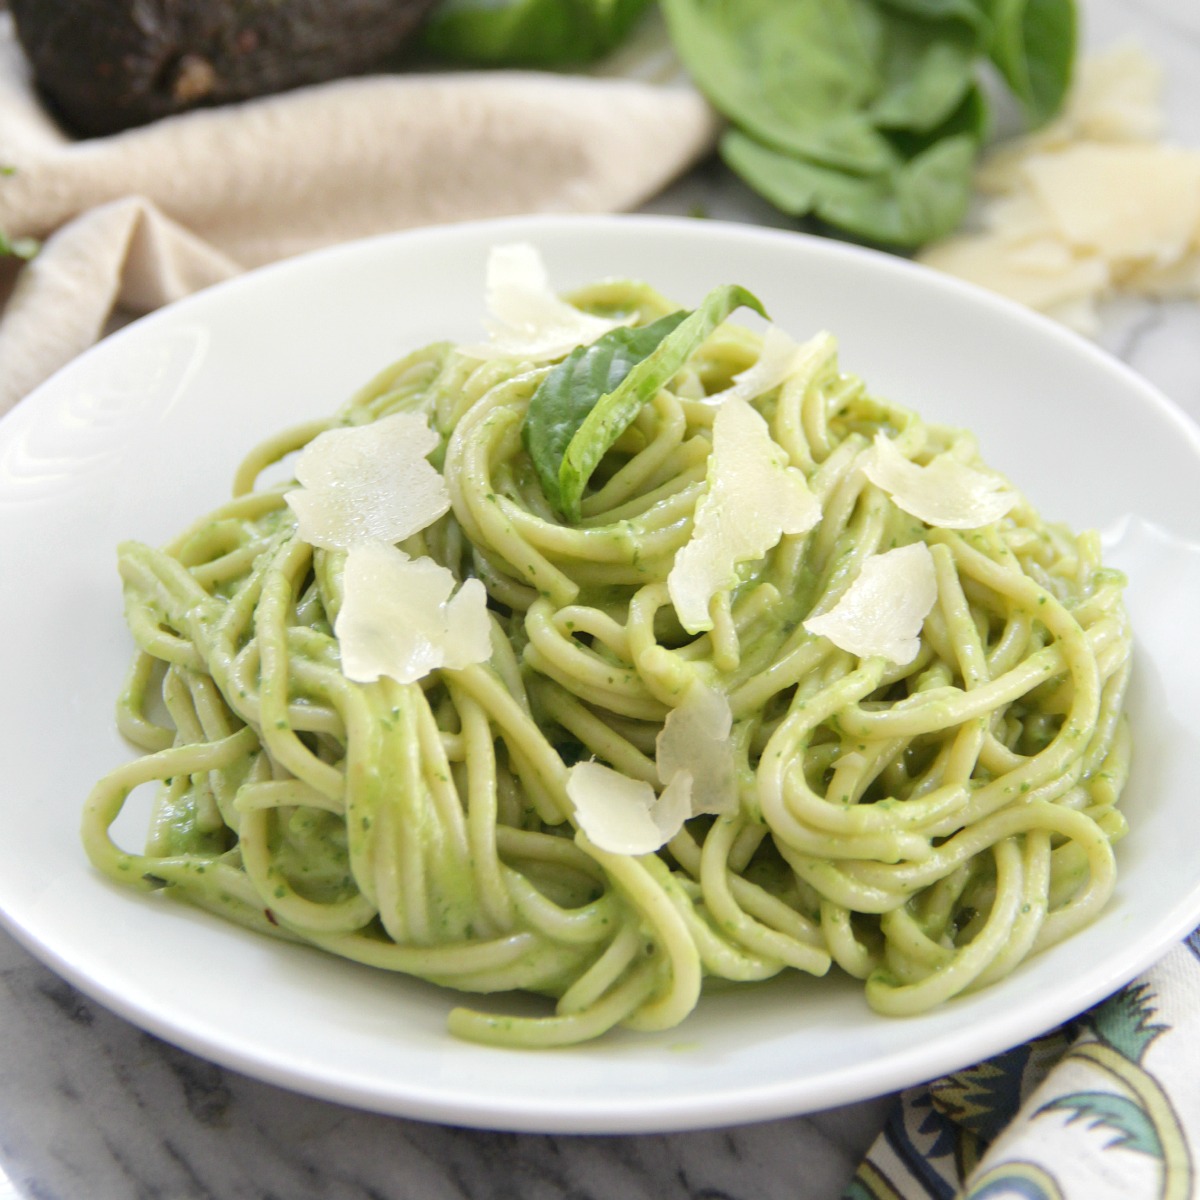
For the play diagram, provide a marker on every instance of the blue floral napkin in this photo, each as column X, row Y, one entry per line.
column 1106, row 1107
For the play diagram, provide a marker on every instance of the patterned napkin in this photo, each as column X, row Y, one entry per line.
column 144, row 217
column 1107, row 1107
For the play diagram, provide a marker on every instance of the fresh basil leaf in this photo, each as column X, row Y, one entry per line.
column 927, row 72
column 970, row 12
column 972, row 116
column 570, row 390
column 542, row 33
column 794, row 74
column 1034, row 45
column 587, row 402
column 614, row 411
column 919, row 199
column 836, row 106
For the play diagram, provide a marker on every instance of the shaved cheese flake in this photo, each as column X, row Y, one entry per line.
column 528, row 320
column 946, row 493
column 695, row 740
column 1043, row 256
column 398, row 619
column 1090, row 206
column 468, row 626
column 1118, row 97
column 1125, row 201
column 695, row 762
column 1018, row 219
column 883, row 610
column 1001, row 172
column 368, row 482
column 992, row 261
column 779, row 360
column 1179, row 280
column 623, row 815
column 676, row 803
column 754, row 497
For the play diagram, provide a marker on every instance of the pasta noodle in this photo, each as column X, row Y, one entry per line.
column 923, row 827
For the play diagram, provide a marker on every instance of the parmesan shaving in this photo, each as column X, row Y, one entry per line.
column 1092, row 206
column 623, row 815
column 1118, row 97
column 528, row 320
column 779, row 360
column 675, row 804
column 945, row 493
column 754, row 497
column 695, row 741
column 695, row 762
column 882, row 612
column 398, row 619
column 368, row 482
column 993, row 262
column 1179, row 280
column 1139, row 202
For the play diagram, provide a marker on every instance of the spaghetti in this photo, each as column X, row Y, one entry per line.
column 924, row 827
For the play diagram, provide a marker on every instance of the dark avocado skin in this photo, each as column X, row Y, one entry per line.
column 106, row 65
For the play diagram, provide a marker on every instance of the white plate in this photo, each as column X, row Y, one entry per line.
column 140, row 435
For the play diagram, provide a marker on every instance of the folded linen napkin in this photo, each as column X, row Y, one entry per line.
column 1107, row 1107
column 141, row 218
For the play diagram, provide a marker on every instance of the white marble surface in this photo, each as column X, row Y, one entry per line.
column 91, row 1108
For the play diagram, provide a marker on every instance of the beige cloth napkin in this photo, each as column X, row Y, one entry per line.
column 139, row 219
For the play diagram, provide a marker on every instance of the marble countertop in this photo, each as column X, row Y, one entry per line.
column 95, row 1109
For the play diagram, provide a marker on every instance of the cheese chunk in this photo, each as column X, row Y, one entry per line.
column 754, row 497
column 945, row 493
column 528, row 320
column 993, row 262
column 368, row 482
column 1091, row 206
column 1118, row 97
column 398, row 618
column 695, row 739
column 1179, row 280
column 623, row 815
column 1122, row 201
column 882, row 612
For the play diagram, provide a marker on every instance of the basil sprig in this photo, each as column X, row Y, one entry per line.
column 587, row 401
column 868, row 114
column 529, row 33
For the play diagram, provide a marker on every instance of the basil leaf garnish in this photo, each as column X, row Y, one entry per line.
column 589, row 399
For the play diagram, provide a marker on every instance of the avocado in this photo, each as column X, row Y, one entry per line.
column 106, row 65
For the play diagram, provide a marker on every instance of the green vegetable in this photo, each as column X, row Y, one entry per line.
column 544, row 33
column 1033, row 45
column 570, row 391
column 21, row 247
column 914, row 203
column 586, row 402
column 915, row 200
column 824, row 78
column 867, row 113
